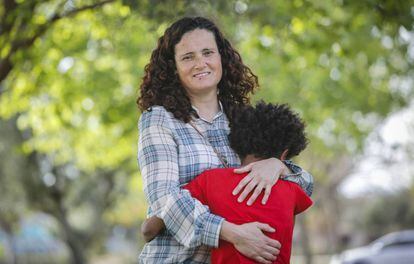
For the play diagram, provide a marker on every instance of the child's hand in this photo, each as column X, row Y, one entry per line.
column 151, row 227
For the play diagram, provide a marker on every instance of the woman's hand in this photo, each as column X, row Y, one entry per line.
column 263, row 175
column 250, row 241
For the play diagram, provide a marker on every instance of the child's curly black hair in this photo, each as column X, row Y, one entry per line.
column 266, row 130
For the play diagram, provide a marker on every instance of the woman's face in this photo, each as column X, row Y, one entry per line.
column 198, row 62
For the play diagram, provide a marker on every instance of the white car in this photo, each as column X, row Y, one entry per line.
column 393, row 248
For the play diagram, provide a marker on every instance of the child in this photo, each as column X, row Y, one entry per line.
column 256, row 133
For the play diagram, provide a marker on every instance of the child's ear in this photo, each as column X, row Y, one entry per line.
column 284, row 154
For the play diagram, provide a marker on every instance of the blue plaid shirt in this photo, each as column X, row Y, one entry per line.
column 170, row 154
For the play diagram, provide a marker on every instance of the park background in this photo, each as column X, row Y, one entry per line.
column 70, row 188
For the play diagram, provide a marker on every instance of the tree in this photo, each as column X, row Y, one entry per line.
column 49, row 186
column 71, row 92
column 12, row 203
column 22, row 23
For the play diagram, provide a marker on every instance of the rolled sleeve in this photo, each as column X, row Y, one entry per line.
column 299, row 176
column 212, row 230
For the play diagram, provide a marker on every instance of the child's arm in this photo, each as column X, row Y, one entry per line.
column 151, row 227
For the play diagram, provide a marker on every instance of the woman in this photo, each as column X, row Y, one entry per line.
column 194, row 80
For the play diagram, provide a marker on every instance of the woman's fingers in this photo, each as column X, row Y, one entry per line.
column 244, row 169
column 249, row 184
column 263, row 175
column 261, row 259
column 268, row 190
column 272, row 250
column 242, row 184
column 268, row 256
column 273, row 243
column 253, row 243
column 255, row 194
column 249, row 187
column 265, row 227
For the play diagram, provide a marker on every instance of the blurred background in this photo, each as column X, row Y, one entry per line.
column 70, row 188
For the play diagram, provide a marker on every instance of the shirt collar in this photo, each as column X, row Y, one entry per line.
column 219, row 113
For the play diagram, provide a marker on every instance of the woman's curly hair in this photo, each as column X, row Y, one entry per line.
column 266, row 130
column 161, row 84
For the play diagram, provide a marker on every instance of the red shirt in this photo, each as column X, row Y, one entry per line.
column 214, row 187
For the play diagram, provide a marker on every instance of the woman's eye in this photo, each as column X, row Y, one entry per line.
column 186, row 58
column 207, row 53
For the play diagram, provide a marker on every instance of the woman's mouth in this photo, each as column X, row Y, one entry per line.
column 201, row 74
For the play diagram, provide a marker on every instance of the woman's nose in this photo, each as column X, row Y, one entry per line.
column 200, row 62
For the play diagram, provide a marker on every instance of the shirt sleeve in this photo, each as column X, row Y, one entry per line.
column 185, row 218
column 303, row 201
column 197, row 188
column 299, row 176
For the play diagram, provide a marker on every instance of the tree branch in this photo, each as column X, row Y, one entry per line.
column 5, row 25
column 42, row 29
column 77, row 10
column 9, row 6
column 6, row 65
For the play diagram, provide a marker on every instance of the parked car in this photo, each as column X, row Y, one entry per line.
column 393, row 248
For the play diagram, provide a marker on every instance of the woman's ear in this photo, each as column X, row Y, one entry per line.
column 284, row 154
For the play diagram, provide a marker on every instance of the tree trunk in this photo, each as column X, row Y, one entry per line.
column 305, row 243
column 50, row 201
column 72, row 240
column 333, row 216
column 5, row 68
column 12, row 258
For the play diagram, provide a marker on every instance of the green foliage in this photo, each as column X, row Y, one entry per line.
column 332, row 62
column 72, row 90
column 80, row 89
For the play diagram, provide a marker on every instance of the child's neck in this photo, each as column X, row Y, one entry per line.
column 249, row 159
column 252, row 158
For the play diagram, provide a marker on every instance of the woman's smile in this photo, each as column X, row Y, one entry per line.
column 201, row 75
column 198, row 62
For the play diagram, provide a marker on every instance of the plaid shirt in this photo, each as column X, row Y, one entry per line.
column 170, row 154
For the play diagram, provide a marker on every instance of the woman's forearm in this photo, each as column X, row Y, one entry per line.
column 186, row 219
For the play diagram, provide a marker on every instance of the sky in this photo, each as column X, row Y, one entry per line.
column 385, row 166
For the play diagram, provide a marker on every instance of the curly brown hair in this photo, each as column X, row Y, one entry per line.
column 161, row 84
